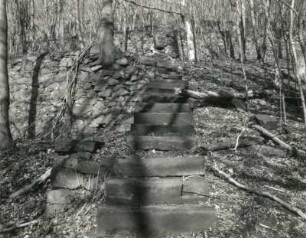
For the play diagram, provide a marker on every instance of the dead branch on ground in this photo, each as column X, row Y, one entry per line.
column 29, row 187
column 19, row 225
column 231, row 180
column 295, row 152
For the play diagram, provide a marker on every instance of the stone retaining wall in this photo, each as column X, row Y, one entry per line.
column 104, row 99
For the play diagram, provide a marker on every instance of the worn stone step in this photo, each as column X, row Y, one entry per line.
column 155, row 221
column 178, row 119
column 161, row 130
column 164, row 143
column 160, row 166
column 168, row 84
column 157, row 191
column 163, row 97
column 165, row 107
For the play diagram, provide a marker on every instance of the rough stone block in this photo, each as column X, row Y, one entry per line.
column 177, row 119
column 157, row 191
column 66, row 178
column 266, row 121
column 160, row 167
column 80, row 165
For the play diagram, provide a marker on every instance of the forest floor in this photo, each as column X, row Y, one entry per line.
column 240, row 213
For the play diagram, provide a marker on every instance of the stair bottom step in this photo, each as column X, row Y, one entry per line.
column 155, row 221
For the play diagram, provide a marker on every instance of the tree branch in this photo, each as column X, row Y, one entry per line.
column 153, row 8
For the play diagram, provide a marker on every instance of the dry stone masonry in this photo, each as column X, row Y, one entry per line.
column 156, row 196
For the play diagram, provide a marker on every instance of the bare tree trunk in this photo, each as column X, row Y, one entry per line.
column 241, row 29
column 295, row 58
column 255, row 33
column 5, row 133
column 190, row 36
column 106, row 34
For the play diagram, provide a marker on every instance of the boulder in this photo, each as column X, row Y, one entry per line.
column 266, row 121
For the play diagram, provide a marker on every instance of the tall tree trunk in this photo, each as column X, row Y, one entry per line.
column 255, row 33
column 106, row 35
column 5, row 133
column 296, row 63
column 190, row 36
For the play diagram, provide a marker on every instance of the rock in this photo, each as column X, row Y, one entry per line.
column 96, row 68
column 66, row 62
column 105, row 72
column 112, row 82
column 106, row 93
column 134, row 78
column 266, row 121
column 87, row 86
column 91, row 94
column 79, row 165
column 97, row 108
column 67, row 178
column 239, row 104
column 123, row 61
column 149, row 61
column 116, row 67
column 117, row 87
column 119, row 75
column 130, row 70
column 121, row 92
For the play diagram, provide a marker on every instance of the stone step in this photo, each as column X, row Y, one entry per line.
column 137, row 192
column 178, row 119
column 168, row 84
column 160, row 166
column 164, row 143
column 161, row 130
column 165, row 107
column 164, row 97
column 153, row 221
column 170, row 76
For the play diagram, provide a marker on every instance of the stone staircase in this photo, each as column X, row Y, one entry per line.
column 163, row 194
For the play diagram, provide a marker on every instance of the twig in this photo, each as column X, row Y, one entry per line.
column 19, row 225
column 276, row 189
column 287, row 205
column 29, row 187
column 238, row 138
